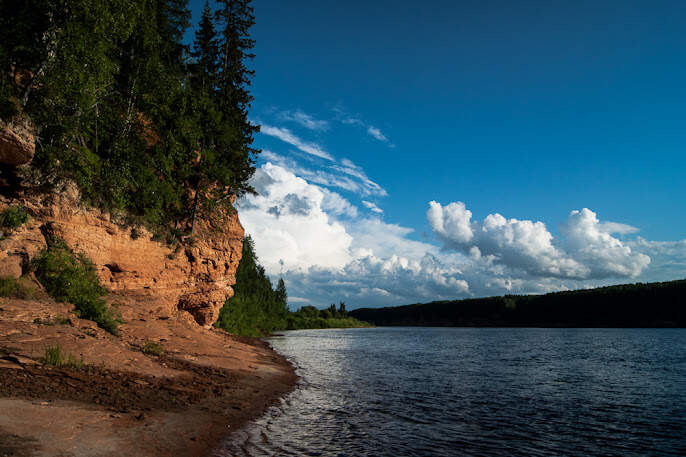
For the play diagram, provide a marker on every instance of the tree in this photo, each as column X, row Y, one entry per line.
column 281, row 294
column 234, row 142
column 341, row 310
column 255, row 309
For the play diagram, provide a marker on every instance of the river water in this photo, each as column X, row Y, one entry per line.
column 476, row 391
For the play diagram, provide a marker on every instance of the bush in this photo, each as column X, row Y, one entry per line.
column 13, row 217
column 152, row 348
column 72, row 278
column 54, row 356
column 15, row 288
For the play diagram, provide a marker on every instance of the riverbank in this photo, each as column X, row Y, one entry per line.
column 117, row 400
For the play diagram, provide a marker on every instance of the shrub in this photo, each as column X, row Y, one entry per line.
column 13, row 217
column 72, row 278
column 54, row 356
column 10, row 287
column 152, row 348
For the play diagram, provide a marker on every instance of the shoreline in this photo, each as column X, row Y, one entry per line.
column 205, row 385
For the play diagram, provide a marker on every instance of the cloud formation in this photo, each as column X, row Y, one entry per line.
column 304, row 120
column 587, row 250
column 372, row 207
column 327, row 249
column 376, row 133
column 289, row 137
column 347, row 175
column 289, row 221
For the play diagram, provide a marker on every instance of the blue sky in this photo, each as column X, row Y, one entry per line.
column 529, row 110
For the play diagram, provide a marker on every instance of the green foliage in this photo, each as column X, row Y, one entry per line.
column 152, row 348
column 142, row 125
column 15, row 288
column 13, row 217
column 72, row 278
column 255, row 309
column 56, row 357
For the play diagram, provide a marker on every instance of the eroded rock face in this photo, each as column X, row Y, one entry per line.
column 196, row 279
column 17, row 143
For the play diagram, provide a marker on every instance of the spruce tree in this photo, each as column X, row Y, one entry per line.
column 281, row 294
column 234, row 146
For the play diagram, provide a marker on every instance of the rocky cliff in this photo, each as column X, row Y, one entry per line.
column 181, row 281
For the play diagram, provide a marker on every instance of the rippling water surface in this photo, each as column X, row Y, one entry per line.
column 477, row 391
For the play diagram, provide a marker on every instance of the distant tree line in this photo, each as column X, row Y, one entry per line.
column 660, row 304
column 142, row 122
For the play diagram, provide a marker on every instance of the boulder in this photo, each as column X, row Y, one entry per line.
column 17, row 143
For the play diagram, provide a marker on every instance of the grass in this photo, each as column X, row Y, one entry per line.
column 59, row 320
column 56, row 357
column 15, row 288
column 152, row 348
column 72, row 278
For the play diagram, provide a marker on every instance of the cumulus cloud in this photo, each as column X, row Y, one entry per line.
column 372, row 281
column 305, row 120
column 327, row 250
column 587, row 250
column 290, row 223
column 372, row 207
column 603, row 254
column 289, row 137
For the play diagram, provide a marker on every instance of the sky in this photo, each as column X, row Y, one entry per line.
column 419, row 151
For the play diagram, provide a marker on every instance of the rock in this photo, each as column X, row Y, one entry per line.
column 10, row 266
column 17, row 143
column 194, row 283
column 20, row 359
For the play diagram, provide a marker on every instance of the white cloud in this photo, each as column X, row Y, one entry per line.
column 603, row 254
column 371, row 130
column 376, row 133
column 588, row 250
column 289, row 223
column 667, row 258
column 372, row 207
column 328, row 251
column 289, row 137
column 305, row 120
column 617, row 227
column 352, row 121
column 352, row 179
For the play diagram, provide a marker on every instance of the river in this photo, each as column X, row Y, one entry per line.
column 476, row 391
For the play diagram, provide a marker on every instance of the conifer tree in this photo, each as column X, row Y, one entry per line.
column 236, row 18
column 281, row 294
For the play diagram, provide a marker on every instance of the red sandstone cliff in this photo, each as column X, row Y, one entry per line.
column 172, row 280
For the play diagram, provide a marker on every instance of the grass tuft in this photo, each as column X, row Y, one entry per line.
column 56, row 357
column 152, row 348
column 15, row 288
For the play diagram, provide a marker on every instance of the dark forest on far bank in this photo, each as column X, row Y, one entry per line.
column 660, row 304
